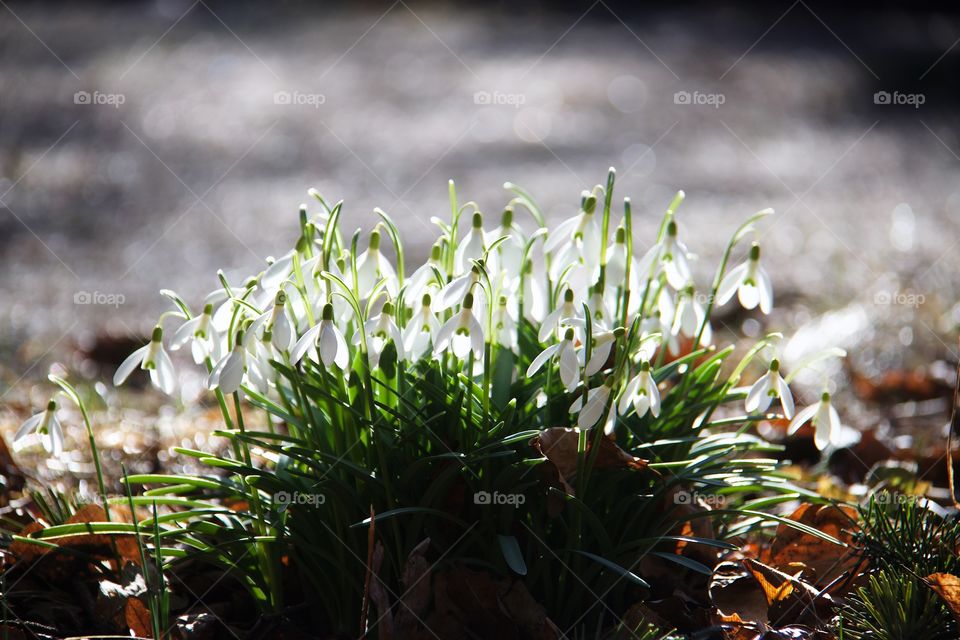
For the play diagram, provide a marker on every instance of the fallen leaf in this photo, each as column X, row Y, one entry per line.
column 560, row 445
column 947, row 586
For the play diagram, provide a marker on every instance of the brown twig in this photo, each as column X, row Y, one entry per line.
column 953, row 427
column 365, row 607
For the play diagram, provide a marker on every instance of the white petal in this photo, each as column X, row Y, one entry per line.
column 749, row 295
column 599, row 357
column 128, row 365
column 184, row 333
column 730, row 283
column 55, row 437
column 569, row 367
column 443, row 336
column 628, row 393
column 28, row 426
column 786, row 397
column 303, row 344
column 836, row 429
column 596, row 404
column 801, row 418
column 541, row 358
column 327, row 343
column 758, row 394
column 232, row 374
column 766, row 290
column 654, row 394
column 549, row 324
column 166, row 376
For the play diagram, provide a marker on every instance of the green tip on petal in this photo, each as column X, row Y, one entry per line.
column 328, row 311
column 506, row 220
column 468, row 301
column 157, row 334
column 208, row 308
column 755, row 251
column 52, row 405
column 477, row 220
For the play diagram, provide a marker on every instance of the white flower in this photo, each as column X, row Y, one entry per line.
column 509, row 252
column 199, row 332
column 424, row 275
column 421, row 328
column 380, row 330
column 328, row 340
column 505, row 326
column 472, row 247
column 534, row 294
column 770, row 385
column 825, row 420
column 688, row 316
column 372, row 266
column 565, row 311
column 583, row 227
column 227, row 375
column 47, row 426
column 751, row 283
column 456, row 290
column 462, row 333
column 151, row 357
column 273, row 325
column 642, row 393
column 593, row 411
column 602, row 344
column 670, row 254
column 566, row 353
column 260, row 371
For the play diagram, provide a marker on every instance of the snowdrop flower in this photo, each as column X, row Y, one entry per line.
column 327, row 339
column 602, row 344
column 564, row 312
column 199, row 332
column 421, row 328
column 642, row 393
column 472, row 247
column 151, row 357
column 597, row 304
column 380, row 330
column 227, row 375
column 566, row 354
column 750, row 282
column 372, row 266
column 462, row 333
column 456, row 290
column 47, row 426
column 510, row 251
column 424, row 275
column 770, row 385
column 534, row 294
column 274, row 324
column 505, row 326
column 670, row 254
column 689, row 315
column 825, row 420
column 583, row 227
column 260, row 371
column 590, row 414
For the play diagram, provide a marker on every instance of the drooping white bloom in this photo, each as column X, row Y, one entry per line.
column 566, row 354
column 454, row 292
column 327, row 339
column 770, row 385
column 423, row 276
column 602, row 345
column 642, row 393
column 509, row 253
column 505, row 326
column 671, row 255
column 826, row 422
column 273, row 325
column 372, row 266
column 534, row 294
column 380, row 330
column 750, row 282
column 151, row 357
column 260, row 372
column 688, row 316
column 421, row 329
column 591, row 413
column 227, row 375
column 462, row 333
column 47, row 426
column 583, row 227
column 199, row 332
column 472, row 247
column 555, row 318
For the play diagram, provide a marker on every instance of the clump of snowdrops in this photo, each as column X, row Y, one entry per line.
column 362, row 393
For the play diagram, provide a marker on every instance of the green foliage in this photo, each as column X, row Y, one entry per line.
column 895, row 606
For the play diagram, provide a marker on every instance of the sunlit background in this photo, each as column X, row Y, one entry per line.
column 145, row 145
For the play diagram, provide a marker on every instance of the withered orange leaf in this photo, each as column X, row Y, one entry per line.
column 947, row 586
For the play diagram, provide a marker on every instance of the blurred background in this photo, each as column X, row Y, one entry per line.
column 143, row 145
